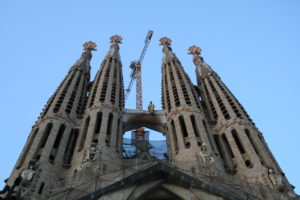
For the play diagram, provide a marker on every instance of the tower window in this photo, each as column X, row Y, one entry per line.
column 217, row 141
column 46, row 135
column 98, row 122
column 114, row 85
column 251, row 141
column 108, row 130
column 167, row 91
column 174, row 89
column 238, row 142
column 194, row 126
column 174, row 136
column 105, row 82
column 84, row 133
column 121, row 90
column 56, row 143
column 183, row 88
column 59, row 136
column 184, row 131
column 183, row 127
column 227, row 146
column 255, row 147
column 68, row 155
column 248, row 164
column 27, row 148
column 63, row 93
column 73, row 94
column 42, row 185
column 118, row 136
column 219, row 100
column 211, row 105
column 82, row 98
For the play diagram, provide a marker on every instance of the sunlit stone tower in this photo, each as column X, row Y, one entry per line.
column 242, row 147
column 75, row 150
column 187, row 130
column 101, row 135
column 102, row 124
column 50, row 143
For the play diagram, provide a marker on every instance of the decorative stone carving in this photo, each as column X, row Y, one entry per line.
column 151, row 107
column 276, row 179
column 91, row 154
column 90, row 46
column 205, row 154
column 27, row 175
column 116, row 39
column 196, row 51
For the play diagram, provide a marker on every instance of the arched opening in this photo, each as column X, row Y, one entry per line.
column 159, row 193
column 144, row 144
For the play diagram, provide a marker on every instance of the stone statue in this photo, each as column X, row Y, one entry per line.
column 90, row 155
column 151, row 107
column 27, row 175
column 276, row 179
column 204, row 153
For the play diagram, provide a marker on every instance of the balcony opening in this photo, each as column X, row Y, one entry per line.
column 144, row 144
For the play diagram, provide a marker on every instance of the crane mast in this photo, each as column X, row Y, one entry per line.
column 137, row 75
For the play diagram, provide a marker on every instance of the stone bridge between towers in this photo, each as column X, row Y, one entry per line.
column 133, row 119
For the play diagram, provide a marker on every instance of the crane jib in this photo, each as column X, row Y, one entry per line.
column 136, row 74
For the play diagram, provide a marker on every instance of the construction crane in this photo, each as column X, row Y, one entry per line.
column 137, row 75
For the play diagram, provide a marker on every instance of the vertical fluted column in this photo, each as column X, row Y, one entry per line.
column 239, row 142
column 189, row 138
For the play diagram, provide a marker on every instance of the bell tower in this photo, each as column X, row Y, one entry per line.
column 241, row 145
column 190, row 137
column 101, row 131
column 49, row 145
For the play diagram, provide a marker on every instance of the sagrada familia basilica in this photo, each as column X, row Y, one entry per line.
column 214, row 150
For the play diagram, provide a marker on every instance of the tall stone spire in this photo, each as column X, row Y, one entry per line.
column 68, row 100
column 84, row 61
column 242, row 147
column 100, row 134
column 102, row 124
column 49, row 146
column 202, row 68
column 187, row 130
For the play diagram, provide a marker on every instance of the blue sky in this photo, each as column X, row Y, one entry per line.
column 252, row 45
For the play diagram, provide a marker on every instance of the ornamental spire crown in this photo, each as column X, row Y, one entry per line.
column 201, row 67
column 115, row 40
column 89, row 47
column 84, row 61
column 167, row 50
column 196, row 51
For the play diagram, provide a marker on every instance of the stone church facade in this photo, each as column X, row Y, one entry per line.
column 215, row 151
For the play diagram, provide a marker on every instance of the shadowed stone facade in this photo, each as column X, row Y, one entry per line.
column 215, row 152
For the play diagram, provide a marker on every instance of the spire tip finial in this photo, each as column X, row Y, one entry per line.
column 194, row 50
column 165, row 41
column 116, row 39
column 90, row 46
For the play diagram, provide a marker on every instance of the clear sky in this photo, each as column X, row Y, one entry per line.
column 253, row 45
